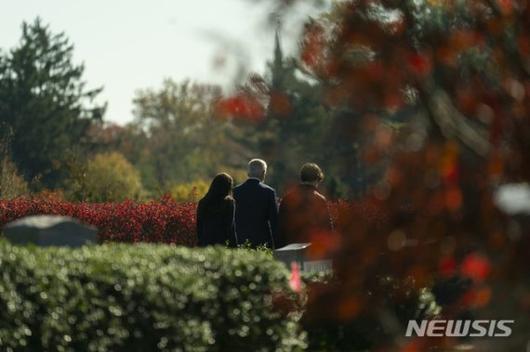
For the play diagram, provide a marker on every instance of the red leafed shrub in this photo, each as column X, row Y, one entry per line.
column 162, row 221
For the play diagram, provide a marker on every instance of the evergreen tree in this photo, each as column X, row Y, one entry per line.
column 45, row 107
column 298, row 124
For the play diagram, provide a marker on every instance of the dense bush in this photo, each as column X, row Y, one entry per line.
column 106, row 177
column 143, row 298
column 164, row 221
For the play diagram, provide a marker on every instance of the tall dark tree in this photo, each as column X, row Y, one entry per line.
column 45, row 107
column 293, row 121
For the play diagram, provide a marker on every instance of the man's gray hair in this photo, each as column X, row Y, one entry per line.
column 257, row 168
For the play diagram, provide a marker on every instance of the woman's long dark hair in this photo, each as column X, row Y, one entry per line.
column 220, row 189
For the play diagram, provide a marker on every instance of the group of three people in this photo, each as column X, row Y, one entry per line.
column 250, row 213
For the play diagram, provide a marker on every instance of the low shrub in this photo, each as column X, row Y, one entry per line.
column 119, row 297
column 163, row 221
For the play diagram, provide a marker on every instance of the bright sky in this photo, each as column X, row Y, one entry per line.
column 133, row 44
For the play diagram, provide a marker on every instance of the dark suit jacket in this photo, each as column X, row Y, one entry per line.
column 216, row 226
column 256, row 214
column 303, row 212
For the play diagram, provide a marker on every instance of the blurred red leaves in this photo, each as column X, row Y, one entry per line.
column 279, row 104
column 463, row 39
column 420, row 64
column 447, row 267
column 506, row 6
column 453, row 198
column 477, row 297
column 438, row 195
column 523, row 43
column 241, row 105
column 416, row 345
column 476, row 267
column 313, row 44
column 323, row 244
column 349, row 307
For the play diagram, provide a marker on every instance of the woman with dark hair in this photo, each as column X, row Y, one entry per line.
column 216, row 214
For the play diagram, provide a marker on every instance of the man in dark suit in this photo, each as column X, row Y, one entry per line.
column 256, row 208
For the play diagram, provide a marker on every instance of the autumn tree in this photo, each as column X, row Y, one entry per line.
column 459, row 71
column 436, row 93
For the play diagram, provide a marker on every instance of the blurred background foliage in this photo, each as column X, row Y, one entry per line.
column 183, row 132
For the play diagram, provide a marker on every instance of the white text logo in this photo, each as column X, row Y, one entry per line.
column 471, row 328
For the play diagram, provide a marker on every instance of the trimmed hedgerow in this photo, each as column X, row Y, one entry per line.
column 162, row 221
column 120, row 297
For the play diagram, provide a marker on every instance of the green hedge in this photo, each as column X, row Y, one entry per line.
column 143, row 298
